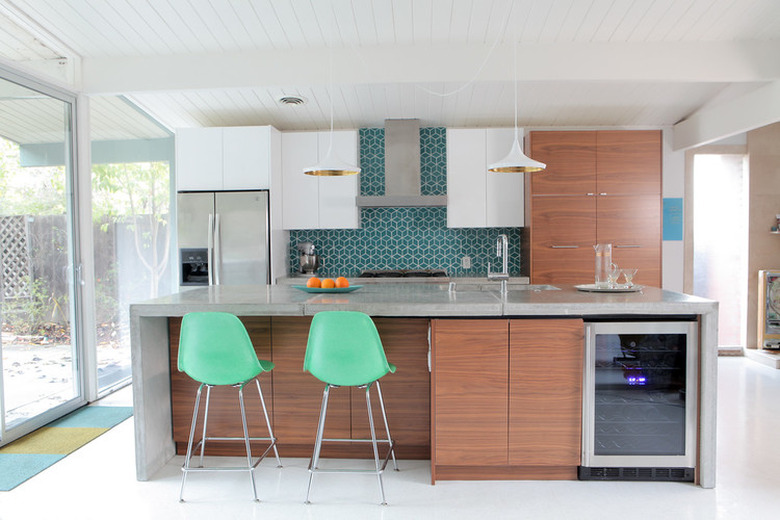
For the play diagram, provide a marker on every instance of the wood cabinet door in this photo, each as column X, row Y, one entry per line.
column 224, row 410
column 562, row 238
column 629, row 161
column 632, row 224
column 545, row 391
column 571, row 162
column 470, row 391
column 298, row 394
column 406, row 393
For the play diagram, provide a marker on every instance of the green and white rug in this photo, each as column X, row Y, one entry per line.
column 28, row 456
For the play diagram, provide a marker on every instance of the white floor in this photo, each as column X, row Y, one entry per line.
column 98, row 481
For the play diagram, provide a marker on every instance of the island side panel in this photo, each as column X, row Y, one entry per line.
column 708, row 397
column 151, row 388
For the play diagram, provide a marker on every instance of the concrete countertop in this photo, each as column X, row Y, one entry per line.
column 423, row 299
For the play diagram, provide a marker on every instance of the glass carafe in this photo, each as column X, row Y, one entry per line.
column 603, row 263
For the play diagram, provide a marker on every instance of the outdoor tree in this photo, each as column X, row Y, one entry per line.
column 137, row 194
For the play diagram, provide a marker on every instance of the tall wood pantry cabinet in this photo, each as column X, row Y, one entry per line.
column 599, row 187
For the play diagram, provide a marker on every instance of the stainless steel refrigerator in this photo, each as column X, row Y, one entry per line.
column 223, row 238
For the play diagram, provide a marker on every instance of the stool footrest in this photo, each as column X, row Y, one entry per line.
column 347, row 470
column 186, row 467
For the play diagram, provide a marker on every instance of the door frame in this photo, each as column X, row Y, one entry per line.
column 77, row 278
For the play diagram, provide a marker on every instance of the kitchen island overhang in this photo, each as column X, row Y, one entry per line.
column 150, row 337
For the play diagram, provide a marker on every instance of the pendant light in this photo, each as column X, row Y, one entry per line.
column 331, row 165
column 516, row 161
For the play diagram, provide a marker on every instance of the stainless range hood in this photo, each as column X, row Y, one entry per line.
column 402, row 169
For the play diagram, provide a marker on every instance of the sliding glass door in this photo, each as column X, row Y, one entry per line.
column 41, row 366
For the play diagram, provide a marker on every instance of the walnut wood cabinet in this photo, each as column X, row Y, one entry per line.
column 470, row 392
column 599, row 187
column 545, row 392
column 293, row 396
column 506, row 398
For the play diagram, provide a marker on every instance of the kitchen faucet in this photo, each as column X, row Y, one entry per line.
column 502, row 251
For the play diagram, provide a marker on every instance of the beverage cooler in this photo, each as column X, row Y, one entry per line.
column 639, row 401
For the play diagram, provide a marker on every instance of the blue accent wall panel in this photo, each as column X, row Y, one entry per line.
column 673, row 219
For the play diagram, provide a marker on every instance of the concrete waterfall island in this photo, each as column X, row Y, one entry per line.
column 519, row 416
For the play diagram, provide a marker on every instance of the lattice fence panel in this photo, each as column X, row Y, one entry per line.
column 15, row 257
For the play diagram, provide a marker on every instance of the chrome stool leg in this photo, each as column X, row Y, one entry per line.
column 373, row 444
column 387, row 428
column 205, row 422
column 315, row 459
column 268, row 423
column 247, row 443
column 185, row 469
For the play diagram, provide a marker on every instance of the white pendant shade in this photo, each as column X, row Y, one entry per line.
column 516, row 162
column 332, row 166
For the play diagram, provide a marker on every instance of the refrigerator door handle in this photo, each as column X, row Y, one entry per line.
column 210, row 250
column 217, row 250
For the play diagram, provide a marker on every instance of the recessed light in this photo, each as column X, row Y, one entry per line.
column 292, row 100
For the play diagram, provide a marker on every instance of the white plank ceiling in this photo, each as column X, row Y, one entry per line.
column 159, row 42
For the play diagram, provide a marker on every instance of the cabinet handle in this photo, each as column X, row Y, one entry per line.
column 627, row 246
column 565, row 247
column 590, row 194
column 603, row 193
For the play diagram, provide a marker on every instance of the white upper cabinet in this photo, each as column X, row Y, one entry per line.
column 476, row 197
column 311, row 202
column 300, row 193
column 230, row 158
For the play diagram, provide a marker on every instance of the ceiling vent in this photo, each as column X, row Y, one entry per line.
column 292, row 100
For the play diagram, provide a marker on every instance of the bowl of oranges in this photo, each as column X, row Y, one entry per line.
column 327, row 285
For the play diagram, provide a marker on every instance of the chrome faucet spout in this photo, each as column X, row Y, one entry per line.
column 502, row 251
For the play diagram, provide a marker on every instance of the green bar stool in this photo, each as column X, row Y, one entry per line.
column 344, row 349
column 215, row 350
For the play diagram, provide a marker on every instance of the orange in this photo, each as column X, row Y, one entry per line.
column 342, row 282
column 313, row 282
column 328, row 283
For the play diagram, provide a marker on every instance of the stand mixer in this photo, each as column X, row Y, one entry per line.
column 308, row 260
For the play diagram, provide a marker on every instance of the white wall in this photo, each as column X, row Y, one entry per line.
column 673, row 187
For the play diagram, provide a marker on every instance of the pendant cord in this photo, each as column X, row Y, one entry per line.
column 514, row 55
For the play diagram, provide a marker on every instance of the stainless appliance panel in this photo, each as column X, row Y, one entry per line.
column 193, row 219
column 639, row 396
column 241, row 237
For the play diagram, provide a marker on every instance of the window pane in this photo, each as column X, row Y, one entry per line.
column 130, row 204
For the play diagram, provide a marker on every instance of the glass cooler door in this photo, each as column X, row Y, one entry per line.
column 640, row 403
